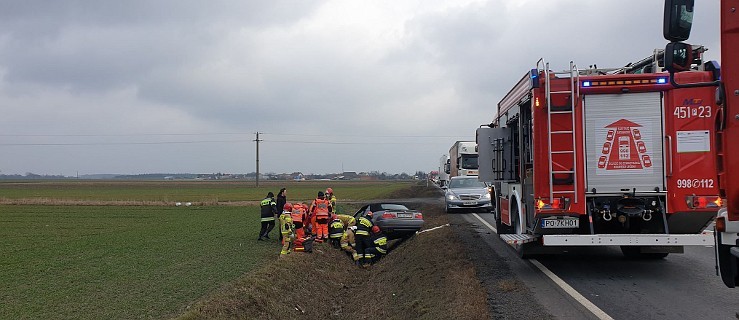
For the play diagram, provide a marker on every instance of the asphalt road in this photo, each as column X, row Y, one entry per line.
column 681, row 286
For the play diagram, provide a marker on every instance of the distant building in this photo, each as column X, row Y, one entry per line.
column 350, row 175
column 298, row 176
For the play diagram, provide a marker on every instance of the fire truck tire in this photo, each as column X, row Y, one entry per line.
column 727, row 263
column 634, row 252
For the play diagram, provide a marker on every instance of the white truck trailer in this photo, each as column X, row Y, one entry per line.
column 463, row 159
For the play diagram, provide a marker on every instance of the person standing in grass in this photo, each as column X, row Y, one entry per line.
column 281, row 201
column 268, row 209
column 287, row 228
column 331, row 198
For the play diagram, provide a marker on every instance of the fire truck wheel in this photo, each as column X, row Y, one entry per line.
column 634, row 252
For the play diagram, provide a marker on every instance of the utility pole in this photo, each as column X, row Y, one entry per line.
column 257, row 140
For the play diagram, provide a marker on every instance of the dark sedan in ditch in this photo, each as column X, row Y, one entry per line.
column 395, row 220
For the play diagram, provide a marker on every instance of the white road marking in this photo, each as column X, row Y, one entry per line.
column 485, row 222
column 561, row 283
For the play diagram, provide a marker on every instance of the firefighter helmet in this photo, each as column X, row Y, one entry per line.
column 288, row 207
column 329, row 191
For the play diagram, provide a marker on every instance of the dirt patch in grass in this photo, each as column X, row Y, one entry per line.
column 425, row 277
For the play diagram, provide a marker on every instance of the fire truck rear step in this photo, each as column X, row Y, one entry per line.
column 629, row 240
column 518, row 238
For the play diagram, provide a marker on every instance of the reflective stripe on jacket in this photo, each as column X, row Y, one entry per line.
column 268, row 209
column 335, row 229
column 364, row 226
column 286, row 223
column 321, row 208
column 380, row 242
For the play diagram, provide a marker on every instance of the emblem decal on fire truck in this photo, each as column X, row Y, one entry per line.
column 623, row 148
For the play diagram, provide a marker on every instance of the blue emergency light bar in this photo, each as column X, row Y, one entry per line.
column 607, row 83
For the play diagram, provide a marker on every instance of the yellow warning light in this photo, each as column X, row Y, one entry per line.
column 536, row 101
column 718, row 202
column 540, row 204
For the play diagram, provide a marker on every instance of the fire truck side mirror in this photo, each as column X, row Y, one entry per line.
column 678, row 56
column 678, row 19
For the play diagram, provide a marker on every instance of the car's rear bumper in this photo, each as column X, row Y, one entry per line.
column 397, row 225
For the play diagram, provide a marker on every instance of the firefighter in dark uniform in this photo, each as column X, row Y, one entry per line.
column 268, row 208
column 362, row 236
column 378, row 248
column 335, row 231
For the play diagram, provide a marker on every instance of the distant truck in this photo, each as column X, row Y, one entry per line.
column 444, row 170
column 463, row 159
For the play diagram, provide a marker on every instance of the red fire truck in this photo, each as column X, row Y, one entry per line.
column 604, row 157
column 677, row 24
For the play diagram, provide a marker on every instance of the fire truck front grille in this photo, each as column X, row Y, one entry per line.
column 469, row 197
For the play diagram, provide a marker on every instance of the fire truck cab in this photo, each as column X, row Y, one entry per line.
column 678, row 18
column 593, row 157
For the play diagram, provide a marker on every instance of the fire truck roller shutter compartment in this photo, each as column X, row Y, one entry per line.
column 623, row 142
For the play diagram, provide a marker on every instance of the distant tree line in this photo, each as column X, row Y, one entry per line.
column 372, row 175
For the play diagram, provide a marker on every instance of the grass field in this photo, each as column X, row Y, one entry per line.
column 209, row 192
column 132, row 262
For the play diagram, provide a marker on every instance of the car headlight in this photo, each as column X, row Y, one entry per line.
column 451, row 196
column 486, row 196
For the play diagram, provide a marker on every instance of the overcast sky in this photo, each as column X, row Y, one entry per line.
column 145, row 86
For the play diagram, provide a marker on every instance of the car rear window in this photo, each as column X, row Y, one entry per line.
column 395, row 207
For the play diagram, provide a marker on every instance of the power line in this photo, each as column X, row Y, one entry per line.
column 119, row 143
column 363, row 136
column 207, row 141
column 224, row 133
column 124, row 134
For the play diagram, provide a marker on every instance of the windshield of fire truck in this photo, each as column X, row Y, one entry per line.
column 469, row 161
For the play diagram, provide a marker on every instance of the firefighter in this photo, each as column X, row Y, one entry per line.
column 331, row 198
column 335, row 231
column 281, row 200
column 378, row 246
column 362, row 236
column 287, row 228
column 268, row 210
column 347, row 243
column 347, row 220
column 320, row 209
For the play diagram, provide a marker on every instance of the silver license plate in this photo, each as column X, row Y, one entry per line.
column 560, row 223
column 469, row 203
column 405, row 215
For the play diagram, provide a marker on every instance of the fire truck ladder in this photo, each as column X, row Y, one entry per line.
column 574, row 79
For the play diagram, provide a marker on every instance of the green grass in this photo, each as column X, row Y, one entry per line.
column 133, row 262
column 121, row 262
column 193, row 191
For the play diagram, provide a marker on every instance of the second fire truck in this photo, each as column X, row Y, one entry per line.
column 598, row 157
